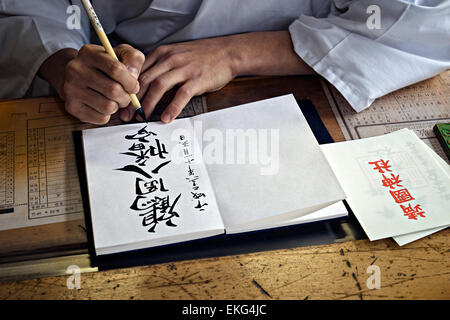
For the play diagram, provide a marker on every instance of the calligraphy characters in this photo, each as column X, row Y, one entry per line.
column 192, row 177
column 152, row 202
column 399, row 193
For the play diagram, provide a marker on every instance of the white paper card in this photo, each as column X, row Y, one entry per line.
column 408, row 238
column 392, row 184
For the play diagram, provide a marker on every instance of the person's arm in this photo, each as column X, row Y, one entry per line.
column 38, row 42
column 345, row 46
column 265, row 54
column 30, row 32
column 209, row 64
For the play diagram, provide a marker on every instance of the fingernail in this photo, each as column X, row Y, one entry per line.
column 165, row 117
column 133, row 71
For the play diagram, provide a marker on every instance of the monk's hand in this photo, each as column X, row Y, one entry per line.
column 96, row 85
column 195, row 67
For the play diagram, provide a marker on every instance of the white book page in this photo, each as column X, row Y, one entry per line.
column 264, row 163
column 336, row 210
column 407, row 238
column 383, row 211
column 147, row 187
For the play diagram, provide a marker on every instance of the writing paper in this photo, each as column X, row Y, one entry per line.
column 112, row 192
column 298, row 182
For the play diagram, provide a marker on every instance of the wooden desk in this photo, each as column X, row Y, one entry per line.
column 420, row 270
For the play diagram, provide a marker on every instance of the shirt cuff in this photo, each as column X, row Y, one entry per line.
column 319, row 56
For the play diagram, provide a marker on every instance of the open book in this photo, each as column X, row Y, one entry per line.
column 251, row 167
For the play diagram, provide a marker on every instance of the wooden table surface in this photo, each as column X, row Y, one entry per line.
column 420, row 270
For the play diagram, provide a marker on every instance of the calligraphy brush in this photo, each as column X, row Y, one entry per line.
column 108, row 48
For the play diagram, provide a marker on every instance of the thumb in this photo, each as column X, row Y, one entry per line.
column 132, row 58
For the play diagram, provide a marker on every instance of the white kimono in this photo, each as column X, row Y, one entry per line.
column 343, row 40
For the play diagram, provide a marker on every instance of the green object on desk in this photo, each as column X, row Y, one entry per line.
column 442, row 132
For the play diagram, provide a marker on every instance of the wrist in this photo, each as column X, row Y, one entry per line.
column 264, row 54
column 52, row 69
column 240, row 55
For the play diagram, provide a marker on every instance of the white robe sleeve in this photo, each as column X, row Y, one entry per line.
column 411, row 44
column 31, row 31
